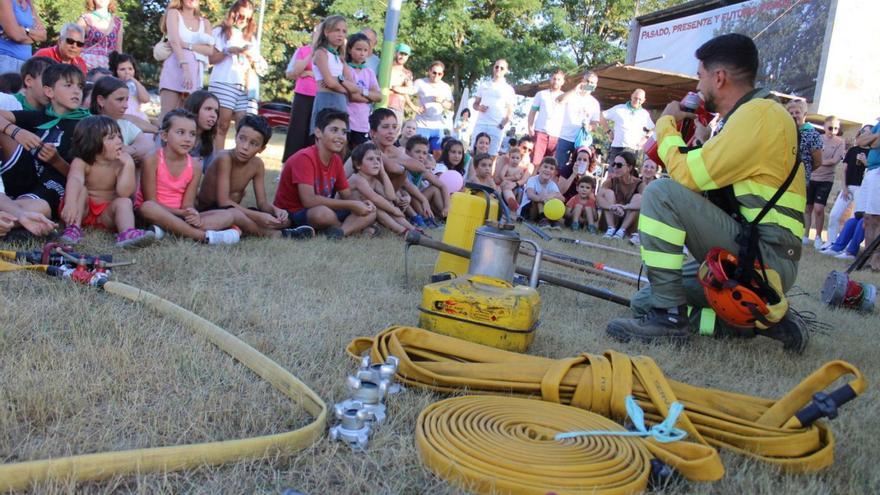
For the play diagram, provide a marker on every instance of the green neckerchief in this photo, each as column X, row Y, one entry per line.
column 332, row 50
column 24, row 103
column 631, row 109
column 356, row 66
column 806, row 126
column 75, row 114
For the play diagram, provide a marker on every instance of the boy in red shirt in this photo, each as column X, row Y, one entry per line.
column 582, row 206
column 313, row 177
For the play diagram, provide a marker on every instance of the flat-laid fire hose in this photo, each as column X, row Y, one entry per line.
column 84, row 467
column 784, row 432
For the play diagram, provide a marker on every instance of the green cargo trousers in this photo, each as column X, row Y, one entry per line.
column 672, row 217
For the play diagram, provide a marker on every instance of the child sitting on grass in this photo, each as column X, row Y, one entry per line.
column 582, row 206
column 168, row 189
column 432, row 195
column 511, row 175
column 231, row 171
column 540, row 189
column 100, row 184
column 314, row 176
column 483, row 170
column 370, row 182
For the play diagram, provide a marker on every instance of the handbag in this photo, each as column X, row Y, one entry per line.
column 162, row 50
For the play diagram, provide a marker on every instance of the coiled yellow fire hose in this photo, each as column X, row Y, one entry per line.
column 768, row 430
column 20, row 476
column 506, row 445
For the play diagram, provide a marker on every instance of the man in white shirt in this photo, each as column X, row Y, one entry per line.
column 631, row 124
column 581, row 109
column 494, row 103
column 435, row 99
column 545, row 118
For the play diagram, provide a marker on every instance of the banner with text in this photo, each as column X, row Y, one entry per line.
column 789, row 35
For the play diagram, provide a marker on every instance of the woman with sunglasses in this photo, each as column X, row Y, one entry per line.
column 620, row 197
column 435, row 99
column 236, row 59
column 103, row 32
column 822, row 180
column 20, row 29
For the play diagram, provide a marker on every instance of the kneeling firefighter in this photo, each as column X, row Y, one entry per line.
column 736, row 203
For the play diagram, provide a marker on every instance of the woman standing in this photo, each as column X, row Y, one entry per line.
column 20, row 28
column 332, row 75
column 300, row 69
column 103, row 32
column 191, row 45
column 236, row 57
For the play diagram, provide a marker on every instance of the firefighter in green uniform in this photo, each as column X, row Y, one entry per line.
column 752, row 157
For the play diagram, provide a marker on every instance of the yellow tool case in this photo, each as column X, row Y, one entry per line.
column 482, row 309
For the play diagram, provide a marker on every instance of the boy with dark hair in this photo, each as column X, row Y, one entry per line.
column 427, row 188
column 36, row 148
column 226, row 181
column 538, row 190
column 313, row 177
column 32, row 96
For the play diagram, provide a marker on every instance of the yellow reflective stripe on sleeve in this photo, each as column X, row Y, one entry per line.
column 666, row 261
column 707, row 321
column 773, row 217
column 661, row 231
column 788, row 199
column 673, row 141
column 698, row 170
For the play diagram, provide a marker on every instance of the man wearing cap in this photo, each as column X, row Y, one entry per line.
column 69, row 47
column 494, row 101
column 401, row 81
column 631, row 122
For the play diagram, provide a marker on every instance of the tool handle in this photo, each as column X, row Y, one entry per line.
column 825, row 405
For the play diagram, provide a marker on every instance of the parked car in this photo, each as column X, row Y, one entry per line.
column 277, row 113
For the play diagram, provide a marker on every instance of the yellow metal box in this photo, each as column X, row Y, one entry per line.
column 481, row 309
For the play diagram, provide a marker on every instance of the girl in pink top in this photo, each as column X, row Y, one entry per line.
column 359, row 104
column 168, row 189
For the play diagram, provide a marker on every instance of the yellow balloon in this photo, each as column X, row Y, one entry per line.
column 554, row 209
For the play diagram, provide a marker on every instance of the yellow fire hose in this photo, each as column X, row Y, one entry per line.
column 21, row 475
column 506, row 445
column 779, row 432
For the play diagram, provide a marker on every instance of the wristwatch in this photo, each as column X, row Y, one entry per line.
column 340, row 78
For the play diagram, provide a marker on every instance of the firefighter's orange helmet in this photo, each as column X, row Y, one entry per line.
column 737, row 304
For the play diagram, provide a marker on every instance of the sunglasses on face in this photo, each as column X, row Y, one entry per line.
column 436, row 73
column 617, row 165
column 75, row 42
column 500, row 67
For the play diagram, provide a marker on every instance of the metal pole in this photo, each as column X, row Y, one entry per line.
column 389, row 41
column 260, row 23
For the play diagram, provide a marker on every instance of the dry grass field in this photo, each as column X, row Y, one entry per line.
column 83, row 371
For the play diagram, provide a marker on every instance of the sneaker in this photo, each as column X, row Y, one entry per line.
column 635, row 239
column 544, row 223
column 658, row 325
column 817, row 245
column 418, row 221
column 335, row 233
column 158, row 231
column 592, row 229
column 620, row 234
column 575, row 226
column 609, row 233
column 791, row 331
column 135, row 238
column 555, row 225
column 806, row 241
column 830, row 251
column 432, row 223
column 843, row 255
column 301, row 232
column 72, row 235
column 826, row 246
column 227, row 236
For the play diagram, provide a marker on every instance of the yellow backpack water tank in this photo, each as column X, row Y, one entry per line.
column 467, row 213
